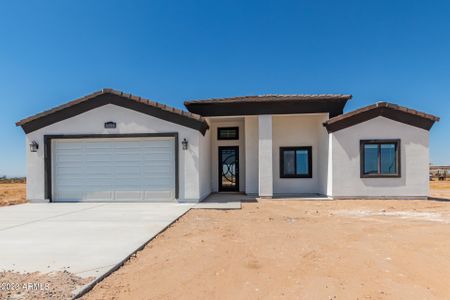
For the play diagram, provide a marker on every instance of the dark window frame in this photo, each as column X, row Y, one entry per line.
column 283, row 149
column 228, row 128
column 379, row 142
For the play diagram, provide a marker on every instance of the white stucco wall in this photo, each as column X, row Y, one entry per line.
column 414, row 160
column 265, row 155
column 251, row 155
column 128, row 121
column 300, row 130
column 323, row 165
column 215, row 144
column 329, row 190
column 205, row 164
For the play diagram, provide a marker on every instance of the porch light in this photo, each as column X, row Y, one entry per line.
column 34, row 146
column 185, row 144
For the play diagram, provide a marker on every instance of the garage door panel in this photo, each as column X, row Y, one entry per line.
column 151, row 169
column 69, row 171
column 75, row 195
column 154, row 143
column 128, row 195
column 68, row 183
column 100, row 181
column 127, row 158
column 154, row 186
column 72, row 178
column 67, row 146
column 99, row 169
column 156, row 164
column 123, row 182
column 128, row 171
column 154, row 179
column 124, row 169
column 98, row 196
column 69, row 158
column 157, row 156
column 130, row 144
column 157, row 195
column 67, row 186
column 136, row 151
column 150, row 177
column 92, row 158
column 65, row 152
column 158, row 149
column 137, row 164
column 65, row 166
column 100, row 164
column 97, row 144
column 165, row 149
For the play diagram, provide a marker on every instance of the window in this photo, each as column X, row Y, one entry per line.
column 380, row 158
column 228, row 133
column 295, row 162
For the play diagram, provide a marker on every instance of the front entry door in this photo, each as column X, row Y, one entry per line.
column 228, row 169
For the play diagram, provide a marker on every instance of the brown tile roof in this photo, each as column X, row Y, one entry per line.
column 272, row 98
column 389, row 110
column 269, row 104
column 110, row 96
column 115, row 92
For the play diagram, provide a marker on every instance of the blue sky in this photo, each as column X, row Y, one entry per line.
column 170, row 51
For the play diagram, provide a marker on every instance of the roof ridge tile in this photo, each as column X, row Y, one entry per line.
column 271, row 97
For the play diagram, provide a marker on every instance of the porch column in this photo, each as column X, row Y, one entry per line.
column 265, row 173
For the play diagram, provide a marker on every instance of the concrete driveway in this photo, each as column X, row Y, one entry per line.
column 84, row 239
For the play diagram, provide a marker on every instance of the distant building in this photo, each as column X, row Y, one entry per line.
column 439, row 172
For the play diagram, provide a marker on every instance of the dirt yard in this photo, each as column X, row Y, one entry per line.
column 281, row 249
column 295, row 249
column 12, row 193
column 440, row 189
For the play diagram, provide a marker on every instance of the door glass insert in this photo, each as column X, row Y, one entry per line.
column 228, row 168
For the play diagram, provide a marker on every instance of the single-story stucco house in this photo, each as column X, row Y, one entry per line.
column 112, row 146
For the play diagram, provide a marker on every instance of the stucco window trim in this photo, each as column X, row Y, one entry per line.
column 397, row 142
column 282, row 173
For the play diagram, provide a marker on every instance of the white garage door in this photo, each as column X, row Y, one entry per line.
column 113, row 169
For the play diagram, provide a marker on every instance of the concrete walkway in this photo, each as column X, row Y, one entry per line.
column 224, row 201
column 84, row 239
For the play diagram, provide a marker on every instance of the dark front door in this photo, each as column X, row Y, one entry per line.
column 228, row 169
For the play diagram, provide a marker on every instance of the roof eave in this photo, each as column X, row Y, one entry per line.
column 334, row 107
column 389, row 110
column 110, row 96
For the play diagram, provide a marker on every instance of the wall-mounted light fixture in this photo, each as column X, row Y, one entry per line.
column 34, row 146
column 185, row 144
